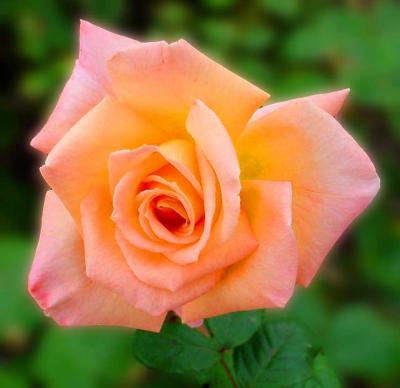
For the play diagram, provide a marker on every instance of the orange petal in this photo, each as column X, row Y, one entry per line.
column 106, row 264
column 330, row 102
column 80, row 159
column 138, row 164
column 333, row 179
column 162, row 81
column 171, row 178
column 211, row 137
column 58, row 282
column 175, row 206
column 160, row 272
column 190, row 253
column 179, row 153
column 157, row 227
column 128, row 217
column 87, row 85
column 267, row 277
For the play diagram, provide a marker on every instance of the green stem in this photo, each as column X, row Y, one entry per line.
column 228, row 372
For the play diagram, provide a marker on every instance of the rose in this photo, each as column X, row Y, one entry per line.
column 171, row 191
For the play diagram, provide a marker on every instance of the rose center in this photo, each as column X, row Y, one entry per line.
column 170, row 213
column 170, row 218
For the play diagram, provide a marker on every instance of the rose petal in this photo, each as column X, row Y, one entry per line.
column 58, row 282
column 190, row 253
column 330, row 102
column 333, row 179
column 157, row 227
column 80, row 159
column 267, row 277
column 88, row 84
column 129, row 169
column 127, row 217
column 160, row 272
column 178, row 74
column 171, row 178
column 97, row 46
column 181, row 154
column 211, row 137
column 140, row 163
column 80, row 94
column 106, row 265
column 195, row 324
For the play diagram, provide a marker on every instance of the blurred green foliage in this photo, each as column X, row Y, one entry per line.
column 289, row 47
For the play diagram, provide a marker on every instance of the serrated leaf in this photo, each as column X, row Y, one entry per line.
column 278, row 355
column 234, row 329
column 176, row 349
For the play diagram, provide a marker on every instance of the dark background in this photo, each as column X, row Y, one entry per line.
column 290, row 48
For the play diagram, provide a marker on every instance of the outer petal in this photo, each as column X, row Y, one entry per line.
column 80, row 159
column 211, row 137
column 81, row 93
column 178, row 74
column 267, row 277
column 333, row 179
column 59, row 284
column 97, row 46
column 329, row 102
column 87, row 85
column 106, row 264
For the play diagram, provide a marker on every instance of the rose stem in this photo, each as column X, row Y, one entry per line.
column 205, row 329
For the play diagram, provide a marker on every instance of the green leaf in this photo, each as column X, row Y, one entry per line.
column 216, row 376
column 278, row 355
column 323, row 375
column 234, row 329
column 176, row 349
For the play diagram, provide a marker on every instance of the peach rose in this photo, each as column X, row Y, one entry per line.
column 172, row 191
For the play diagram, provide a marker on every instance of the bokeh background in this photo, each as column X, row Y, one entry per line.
column 288, row 47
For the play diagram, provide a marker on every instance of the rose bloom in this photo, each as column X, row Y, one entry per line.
column 172, row 190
